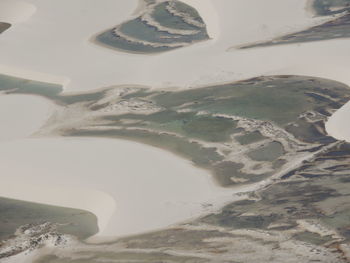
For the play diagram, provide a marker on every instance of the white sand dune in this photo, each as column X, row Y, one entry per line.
column 338, row 126
column 22, row 115
column 13, row 11
column 131, row 187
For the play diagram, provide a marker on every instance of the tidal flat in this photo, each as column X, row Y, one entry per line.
column 297, row 168
column 203, row 127
column 239, row 144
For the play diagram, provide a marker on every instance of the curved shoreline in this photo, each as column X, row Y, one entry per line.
column 129, row 198
column 209, row 14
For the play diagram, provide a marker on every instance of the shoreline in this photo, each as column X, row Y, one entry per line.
column 181, row 203
column 209, row 14
column 338, row 126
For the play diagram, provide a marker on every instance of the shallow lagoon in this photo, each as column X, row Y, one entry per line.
column 157, row 30
column 237, row 144
column 337, row 28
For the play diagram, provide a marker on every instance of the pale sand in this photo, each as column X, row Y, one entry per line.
column 131, row 187
column 206, row 8
column 13, row 11
column 338, row 125
column 22, row 115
